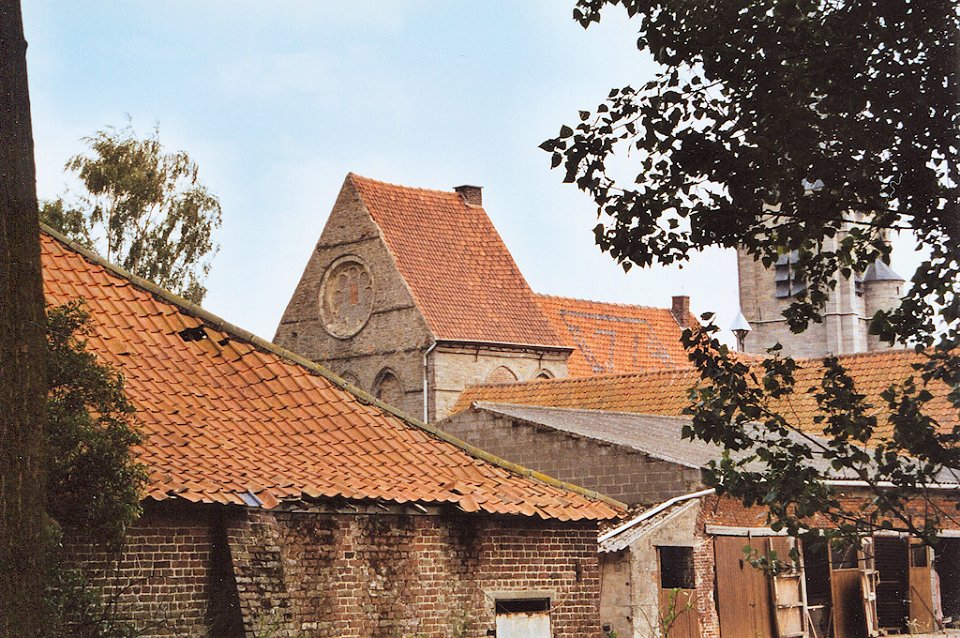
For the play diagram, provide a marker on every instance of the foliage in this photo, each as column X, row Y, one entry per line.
column 94, row 484
column 815, row 126
column 143, row 209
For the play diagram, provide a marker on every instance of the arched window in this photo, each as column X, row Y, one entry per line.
column 388, row 387
column 350, row 378
column 543, row 374
column 503, row 374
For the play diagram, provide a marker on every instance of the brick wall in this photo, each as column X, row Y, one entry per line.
column 624, row 474
column 341, row 575
column 209, row 570
column 167, row 579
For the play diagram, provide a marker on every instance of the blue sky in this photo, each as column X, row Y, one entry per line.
column 278, row 101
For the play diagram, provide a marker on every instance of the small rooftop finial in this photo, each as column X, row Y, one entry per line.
column 740, row 328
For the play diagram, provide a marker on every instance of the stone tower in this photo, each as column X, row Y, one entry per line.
column 766, row 292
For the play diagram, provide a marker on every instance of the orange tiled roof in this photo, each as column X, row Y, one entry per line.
column 458, row 269
column 229, row 416
column 665, row 392
column 615, row 338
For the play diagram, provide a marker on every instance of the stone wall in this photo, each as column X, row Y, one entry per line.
column 395, row 334
column 455, row 367
column 211, row 570
column 624, row 474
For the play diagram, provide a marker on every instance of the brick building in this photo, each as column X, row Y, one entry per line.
column 621, row 434
column 283, row 501
column 412, row 295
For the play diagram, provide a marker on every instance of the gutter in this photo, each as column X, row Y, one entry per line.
column 426, row 409
column 858, row 483
column 650, row 513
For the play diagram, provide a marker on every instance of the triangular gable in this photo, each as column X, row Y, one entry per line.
column 458, row 269
column 230, row 418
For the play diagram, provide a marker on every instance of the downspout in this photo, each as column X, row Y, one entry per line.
column 426, row 408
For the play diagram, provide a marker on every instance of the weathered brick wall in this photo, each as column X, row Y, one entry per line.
column 388, row 575
column 230, row 572
column 166, row 579
column 631, row 477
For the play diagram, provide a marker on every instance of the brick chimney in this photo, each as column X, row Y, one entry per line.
column 681, row 310
column 472, row 195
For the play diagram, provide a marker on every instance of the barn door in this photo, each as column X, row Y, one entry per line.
column 921, row 587
column 524, row 618
column 789, row 591
column 846, row 593
column 743, row 591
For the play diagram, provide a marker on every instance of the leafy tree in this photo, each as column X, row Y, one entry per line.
column 143, row 209
column 815, row 126
column 22, row 447
column 94, row 483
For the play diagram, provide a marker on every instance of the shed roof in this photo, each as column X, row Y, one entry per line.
column 231, row 418
column 459, row 271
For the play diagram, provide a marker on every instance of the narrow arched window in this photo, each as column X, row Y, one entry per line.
column 503, row 374
column 388, row 387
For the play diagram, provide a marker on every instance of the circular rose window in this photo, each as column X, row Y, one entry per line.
column 346, row 297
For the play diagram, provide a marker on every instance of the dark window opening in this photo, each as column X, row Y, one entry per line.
column 844, row 557
column 523, row 605
column 676, row 568
column 788, row 282
column 918, row 556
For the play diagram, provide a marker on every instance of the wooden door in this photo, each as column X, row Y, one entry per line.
column 678, row 613
column 743, row 591
column 921, row 588
column 788, row 592
column 846, row 595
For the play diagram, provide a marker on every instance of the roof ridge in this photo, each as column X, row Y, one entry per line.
column 526, row 406
column 620, row 304
column 219, row 323
column 586, row 379
column 354, row 176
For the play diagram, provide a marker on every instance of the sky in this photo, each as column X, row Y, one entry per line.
column 278, row 101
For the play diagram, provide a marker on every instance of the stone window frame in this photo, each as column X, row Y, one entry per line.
column 384, row 373
column 327, row 321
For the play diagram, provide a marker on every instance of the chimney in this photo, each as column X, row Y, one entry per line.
column 472, row 195
column 681, row 310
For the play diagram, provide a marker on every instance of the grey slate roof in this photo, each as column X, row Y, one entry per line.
column 657, row 436
column 879, row 271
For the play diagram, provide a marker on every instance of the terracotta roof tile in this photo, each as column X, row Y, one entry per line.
column 224, row 419
column 458, row 269
column 665, row 392
column 615, row 338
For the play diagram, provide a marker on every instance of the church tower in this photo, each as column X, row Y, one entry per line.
column 766, row 292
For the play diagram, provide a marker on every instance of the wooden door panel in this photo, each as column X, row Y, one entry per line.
column 921, row 588
column 743, row 592
column 686, row 620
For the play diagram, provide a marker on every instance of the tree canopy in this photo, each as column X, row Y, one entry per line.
column 773, row 126
column 143, row 209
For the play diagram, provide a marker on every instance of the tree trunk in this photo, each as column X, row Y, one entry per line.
column 22, row 385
